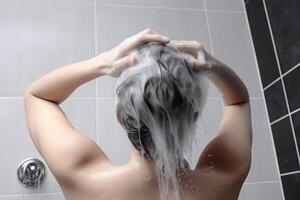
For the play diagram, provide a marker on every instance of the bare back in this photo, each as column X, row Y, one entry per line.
column 87, row 173
column 128, row 182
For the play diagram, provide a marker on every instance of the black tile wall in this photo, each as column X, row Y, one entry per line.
column 285, row 146
column 291, row 186
column 296, row 122
column 284, row 18
column 292, row 86
column 262, row 42
column 275, row 100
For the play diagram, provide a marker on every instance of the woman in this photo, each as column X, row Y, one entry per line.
column 83, row 170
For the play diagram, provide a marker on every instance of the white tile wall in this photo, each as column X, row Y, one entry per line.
column 195, row 4
column 264, row 190
column 112, row 137
column 37, row 37
column 225, row 5
column 232, row 44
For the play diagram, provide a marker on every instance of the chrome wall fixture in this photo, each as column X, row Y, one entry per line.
column 31, row 172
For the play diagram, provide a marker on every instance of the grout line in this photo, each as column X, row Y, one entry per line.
column 31, row 194
column 264, row 102
column 290, row 70
column 208, row 28
column 168, row 8
column 290, row 173
column 247, row 1
column 283, row 75
column 287, row 115
column 283, row 85
column 225, row 11
column 272, row 83
column 293, row 112
column 279, row 119
column 148, row 7
column 261, row 182
column 11, row 97
column 96, row 51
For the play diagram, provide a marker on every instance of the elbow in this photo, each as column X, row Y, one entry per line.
column 28, row 91
column 246, row 95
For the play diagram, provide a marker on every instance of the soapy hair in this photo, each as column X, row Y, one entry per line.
column 158, row 100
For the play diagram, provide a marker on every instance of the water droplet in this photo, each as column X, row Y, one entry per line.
column 209, row 155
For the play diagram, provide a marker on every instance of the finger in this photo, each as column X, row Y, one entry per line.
column 183, row 41
column 199, row 67
column 186, row 44
column 187, row 50
column 125, row 63
column 154, row 38
column 147, row 31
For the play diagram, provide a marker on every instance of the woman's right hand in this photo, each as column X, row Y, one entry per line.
column 202, row 60
column 118, row 59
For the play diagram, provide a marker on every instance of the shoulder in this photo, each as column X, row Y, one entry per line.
column 226, row 156
column 80, row 156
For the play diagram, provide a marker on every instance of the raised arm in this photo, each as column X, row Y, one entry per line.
column 230, row 151
column 232, row 146
column 64, row 150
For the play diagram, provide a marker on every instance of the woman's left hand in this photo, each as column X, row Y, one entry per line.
column 118, row 59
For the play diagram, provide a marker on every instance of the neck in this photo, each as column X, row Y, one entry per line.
column 142, row 163
column 137, row 159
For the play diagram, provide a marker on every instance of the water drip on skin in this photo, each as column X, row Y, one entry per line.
column 213, row 183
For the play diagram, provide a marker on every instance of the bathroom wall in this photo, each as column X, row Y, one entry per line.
column 37, row 37
column 275, row 30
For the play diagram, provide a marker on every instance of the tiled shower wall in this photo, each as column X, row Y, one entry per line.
column 275, row 30
column 37, row 37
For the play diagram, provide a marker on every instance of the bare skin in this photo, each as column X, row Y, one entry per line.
column 82, row 169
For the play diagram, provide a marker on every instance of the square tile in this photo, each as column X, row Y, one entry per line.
column 198, row 4
column 263, row 167
column 275, row 100
column 17, row 138
column 37, row 37
column 261, row 36
column 292, row 83
column 228, row 5
column 291, row 185
column 176, row 24
column 284, row 18
column 261, row 191
column 285, row 146
column 113, row 139
column 232, row 45
column 296, row 123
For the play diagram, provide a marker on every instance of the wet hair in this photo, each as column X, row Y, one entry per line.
column 158, row 100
